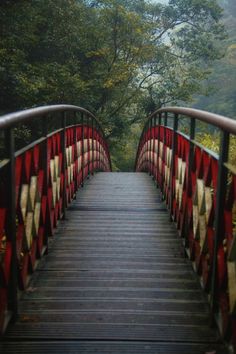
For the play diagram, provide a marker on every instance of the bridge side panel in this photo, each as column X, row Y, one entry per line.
column 47, row 177
column 187, row 178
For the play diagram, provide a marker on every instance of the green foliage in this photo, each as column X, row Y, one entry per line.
column 212, row 142
column 120, row 59
column 124, row 152
column 221, row 84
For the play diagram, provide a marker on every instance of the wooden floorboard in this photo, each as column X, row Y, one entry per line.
column 115, row 280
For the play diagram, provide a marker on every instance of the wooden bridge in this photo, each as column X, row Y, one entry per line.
column 130, row 268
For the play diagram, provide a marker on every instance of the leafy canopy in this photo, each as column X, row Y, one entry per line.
column 120, row 59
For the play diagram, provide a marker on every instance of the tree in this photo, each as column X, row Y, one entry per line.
column 120, row 59
column 221, row 83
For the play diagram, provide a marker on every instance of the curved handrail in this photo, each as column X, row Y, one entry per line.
column 11, row 119
column 219, row 121
column 37, row 183
column 199, row 189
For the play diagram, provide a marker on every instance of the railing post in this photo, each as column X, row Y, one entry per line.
column 82, row 161
column 158, row 148
column 96, row 143
column 11, row 223
column 146, row 141
column 88, row 146
column 45, row 166
column 153, row 147
column 150, row 144
column 219, row 215
column 138, row 153
column 192, row 137
column 92, row 146
column 166, row 119
column 174, row 143
column 63, row 144
column 186, row 230
column 100, row 152
column 163, row 153
column 75, row 154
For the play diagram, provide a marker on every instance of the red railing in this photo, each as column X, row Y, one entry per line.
column 199, row 188
column 36, row 185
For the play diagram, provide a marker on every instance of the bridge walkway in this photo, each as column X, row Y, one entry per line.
column 115, row 280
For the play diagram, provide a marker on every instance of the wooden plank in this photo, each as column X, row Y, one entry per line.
column 108, row 347
column 116, row 279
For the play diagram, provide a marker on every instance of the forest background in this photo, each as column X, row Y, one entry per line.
column 120, row 59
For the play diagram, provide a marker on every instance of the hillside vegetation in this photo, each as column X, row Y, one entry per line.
column 120, row 59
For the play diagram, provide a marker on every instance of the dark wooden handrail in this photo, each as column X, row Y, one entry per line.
column 216, row 120
column 21, row 117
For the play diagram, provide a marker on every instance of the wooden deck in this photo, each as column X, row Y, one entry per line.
column 115, row 280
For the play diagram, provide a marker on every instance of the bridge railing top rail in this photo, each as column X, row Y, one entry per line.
column 9, row 120
column 219, row 121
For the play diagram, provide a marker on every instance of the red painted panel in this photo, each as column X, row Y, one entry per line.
column 32, row 163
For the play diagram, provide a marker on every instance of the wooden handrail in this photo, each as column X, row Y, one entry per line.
column 217, row 120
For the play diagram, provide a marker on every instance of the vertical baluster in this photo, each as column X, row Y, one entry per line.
column 45, row 167
column 64, row 162
column 166, row 119
column 92, row 146
column 219, row 214
column 186, row 228
column 140, row 148
column 146, row 153
column 138, row 155
column 11, row 223
column 82, row 152
column 172, row 175
column 95, row 145
column 191, row 147
column 100, row 151
column 163, row 159
column 158, row 149
column 88, row 146
column 150, row 146
column 75, row 154
column 154, row 147
column 141, row 143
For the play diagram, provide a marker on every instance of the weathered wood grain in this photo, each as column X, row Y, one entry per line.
column 115, row 280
